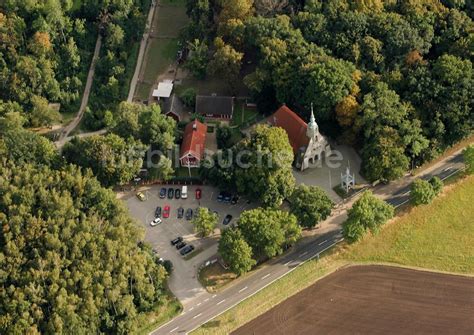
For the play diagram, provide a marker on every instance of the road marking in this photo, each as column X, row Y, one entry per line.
column 196, row 316
column 287, row 263
column 402, row 203
column 304, row 253
column 206, row 300
column 191, row 309
column 266, row 276
column 246, row 287
column 215, row 295
column 258, row 290
column 407, row 192
column 199, row 304
column 174, row 329
column 220, row 302
column 323, row 242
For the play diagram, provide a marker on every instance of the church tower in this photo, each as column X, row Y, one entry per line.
column 313, row 130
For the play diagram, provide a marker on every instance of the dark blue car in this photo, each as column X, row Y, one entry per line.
column 163, row 193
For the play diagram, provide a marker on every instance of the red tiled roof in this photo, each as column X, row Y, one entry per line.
column 294, row 126
column 194, row 139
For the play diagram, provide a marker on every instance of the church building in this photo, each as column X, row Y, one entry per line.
column 307, row 142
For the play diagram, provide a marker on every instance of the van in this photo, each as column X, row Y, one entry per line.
column 184, row 192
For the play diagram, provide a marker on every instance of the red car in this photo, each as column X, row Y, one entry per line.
column 198, row 193
column 166, row 212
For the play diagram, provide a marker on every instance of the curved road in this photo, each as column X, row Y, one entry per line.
column 85, row 97
column 396, row 193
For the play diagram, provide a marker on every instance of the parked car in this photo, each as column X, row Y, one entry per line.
column 158, row 212
column 180, row 212
column 184, row 192
column 180, row 245
column 163, row 193
column 198, row 193
column 155, row 222
column 235, row 199
column 189, row 214
column 176, row 240
column 177, row 193
column 186, row 250
column 141, row 196
column 170, row 193
column 224, row 197
column 227, row 219
column 166, row 212
column 168, row 265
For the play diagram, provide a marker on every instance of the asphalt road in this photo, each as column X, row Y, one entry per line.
column 204, row 311
column 452, row 166
column 209, row 308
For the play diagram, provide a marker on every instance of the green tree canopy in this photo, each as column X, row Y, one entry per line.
column 204, row 221
column 235, row 251
column 265, row 168
column 310, row 205
column 23, row 146
column 146, row 124
column 367, row 213
column 113, row 160
column 468, row 154
column 69, row 256
column 422, row 192
column 269, row 231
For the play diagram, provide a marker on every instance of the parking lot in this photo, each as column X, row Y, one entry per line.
column 183, row 281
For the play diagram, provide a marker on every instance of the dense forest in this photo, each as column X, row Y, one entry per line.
column 45, row 52
column 71, row 257
column 392, row 78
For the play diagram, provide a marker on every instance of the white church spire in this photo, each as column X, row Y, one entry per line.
column 312, row 131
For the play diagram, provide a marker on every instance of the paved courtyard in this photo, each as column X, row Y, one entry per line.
column 327, row 175
column 183, row 281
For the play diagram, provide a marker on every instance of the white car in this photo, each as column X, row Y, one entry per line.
column 155, row 222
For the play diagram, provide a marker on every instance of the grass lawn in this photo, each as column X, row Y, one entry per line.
column 163, row 47
column 170, row 20
column 161, row 53
column 242, row 114
column 161, row 314
column 183, row 172
column 439, row 236
column 214, row 277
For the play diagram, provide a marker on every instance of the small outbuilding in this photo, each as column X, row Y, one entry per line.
column 214, row 106
column 164, row 90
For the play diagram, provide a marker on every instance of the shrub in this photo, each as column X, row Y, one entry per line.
column 422, row 192
column 188, row 97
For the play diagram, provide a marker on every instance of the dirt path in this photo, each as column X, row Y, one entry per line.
column 85, row 97
column 141, row 53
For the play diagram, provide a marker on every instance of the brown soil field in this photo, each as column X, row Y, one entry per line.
column 374, row 300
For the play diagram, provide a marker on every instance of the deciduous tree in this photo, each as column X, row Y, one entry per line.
column 269, row 231
column 235, row 251
column 367, row 213
column 310, row 205
column 205, row 221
